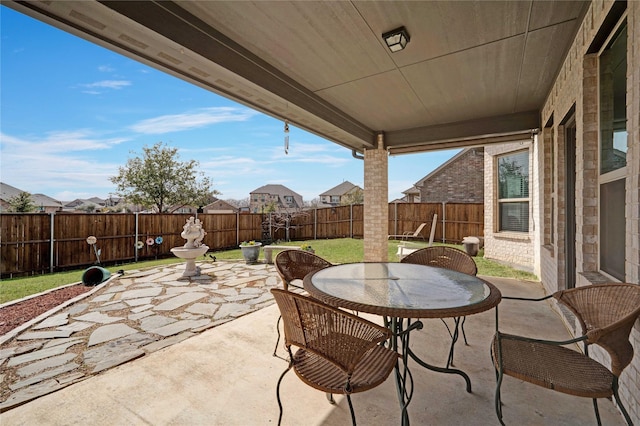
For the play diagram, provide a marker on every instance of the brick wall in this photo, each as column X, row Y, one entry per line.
column 461, row 181
column 376, row 204
column 576, row 92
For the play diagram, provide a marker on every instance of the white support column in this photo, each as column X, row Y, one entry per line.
column 376, row 202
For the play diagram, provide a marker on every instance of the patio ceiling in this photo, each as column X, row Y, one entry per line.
column 474, row 72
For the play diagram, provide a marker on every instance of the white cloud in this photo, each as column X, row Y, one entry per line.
column 56, row 164
column 105, row 68
column 192, row 120
column 57, row 142
column 107, row 84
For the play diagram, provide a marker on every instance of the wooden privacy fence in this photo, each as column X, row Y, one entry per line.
column 33, row 243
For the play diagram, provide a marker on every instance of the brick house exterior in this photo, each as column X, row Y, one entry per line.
column 219, row 206
column 334, row 196
column 278, row 196
column 458, row 180
column 581, row 189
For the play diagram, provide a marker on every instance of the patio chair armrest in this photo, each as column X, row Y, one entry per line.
column 528, row 299
column 501, row 335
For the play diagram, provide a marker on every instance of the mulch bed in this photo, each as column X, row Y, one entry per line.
column 15, row 315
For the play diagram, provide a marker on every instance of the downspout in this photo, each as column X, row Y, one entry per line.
column 355, row 154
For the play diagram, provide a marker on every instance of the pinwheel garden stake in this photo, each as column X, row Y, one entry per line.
column 91, row 240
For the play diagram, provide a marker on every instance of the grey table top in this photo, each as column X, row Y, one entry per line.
column 402, row 290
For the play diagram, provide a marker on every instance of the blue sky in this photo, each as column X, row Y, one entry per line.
column 72, row 112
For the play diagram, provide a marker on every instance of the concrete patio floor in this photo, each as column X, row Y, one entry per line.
column 227, row 376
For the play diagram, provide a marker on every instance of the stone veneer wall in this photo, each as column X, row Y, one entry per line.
column 576, row 91
column 461, row 181
column 376, row 203
column 513, row 248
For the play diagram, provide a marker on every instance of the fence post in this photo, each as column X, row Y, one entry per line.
column 351, row 220
column 51, row 244
column 315, row 223
column 395, row 218
column 444, row 222
column 137, row 236
column 237, row 228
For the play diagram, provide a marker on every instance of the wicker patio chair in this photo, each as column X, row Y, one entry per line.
column 449, row 258
column 293, row 265
column 606, row 313
column 338, row 352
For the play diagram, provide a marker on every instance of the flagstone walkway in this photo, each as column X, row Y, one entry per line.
column 125, row 318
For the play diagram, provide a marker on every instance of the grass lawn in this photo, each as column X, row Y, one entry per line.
column 342, row 250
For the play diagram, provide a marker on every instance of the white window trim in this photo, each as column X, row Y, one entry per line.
column 497, row 230
column 617, row 174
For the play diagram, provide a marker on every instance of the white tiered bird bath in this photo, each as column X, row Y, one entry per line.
column 193, row 248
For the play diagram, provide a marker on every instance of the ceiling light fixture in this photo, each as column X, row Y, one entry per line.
column 397, row 39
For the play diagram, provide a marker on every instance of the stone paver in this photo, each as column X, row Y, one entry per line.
column 131, row 316
column 109, row 332
column 53, row 321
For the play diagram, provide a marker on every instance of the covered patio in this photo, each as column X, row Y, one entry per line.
column 472, row 74
column 227, row 376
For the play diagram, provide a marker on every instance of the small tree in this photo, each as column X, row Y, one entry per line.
column 22, row 203
column 159, row 180
column 354, row 197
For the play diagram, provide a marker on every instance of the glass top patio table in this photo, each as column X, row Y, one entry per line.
column 402, row 290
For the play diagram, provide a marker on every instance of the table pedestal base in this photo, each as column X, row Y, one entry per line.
column 404, row 379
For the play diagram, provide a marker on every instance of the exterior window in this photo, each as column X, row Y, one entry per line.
column 513, row 192
column 288, row 199
column 335, row 199
column 613, row 153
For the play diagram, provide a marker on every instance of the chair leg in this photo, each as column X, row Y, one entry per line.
column 353, row 414
column 278, row 392
column 619, row 401
column 330, row 399
column 498, row 400
column 595, row 409
column 277, row 341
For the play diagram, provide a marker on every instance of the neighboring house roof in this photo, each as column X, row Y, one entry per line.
column 412, row 191
column 8, row 191
column 96, row 200
column 39, row 200
column 342, row 189
column 220, row 205
column 281, row 191
column 77, row 202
